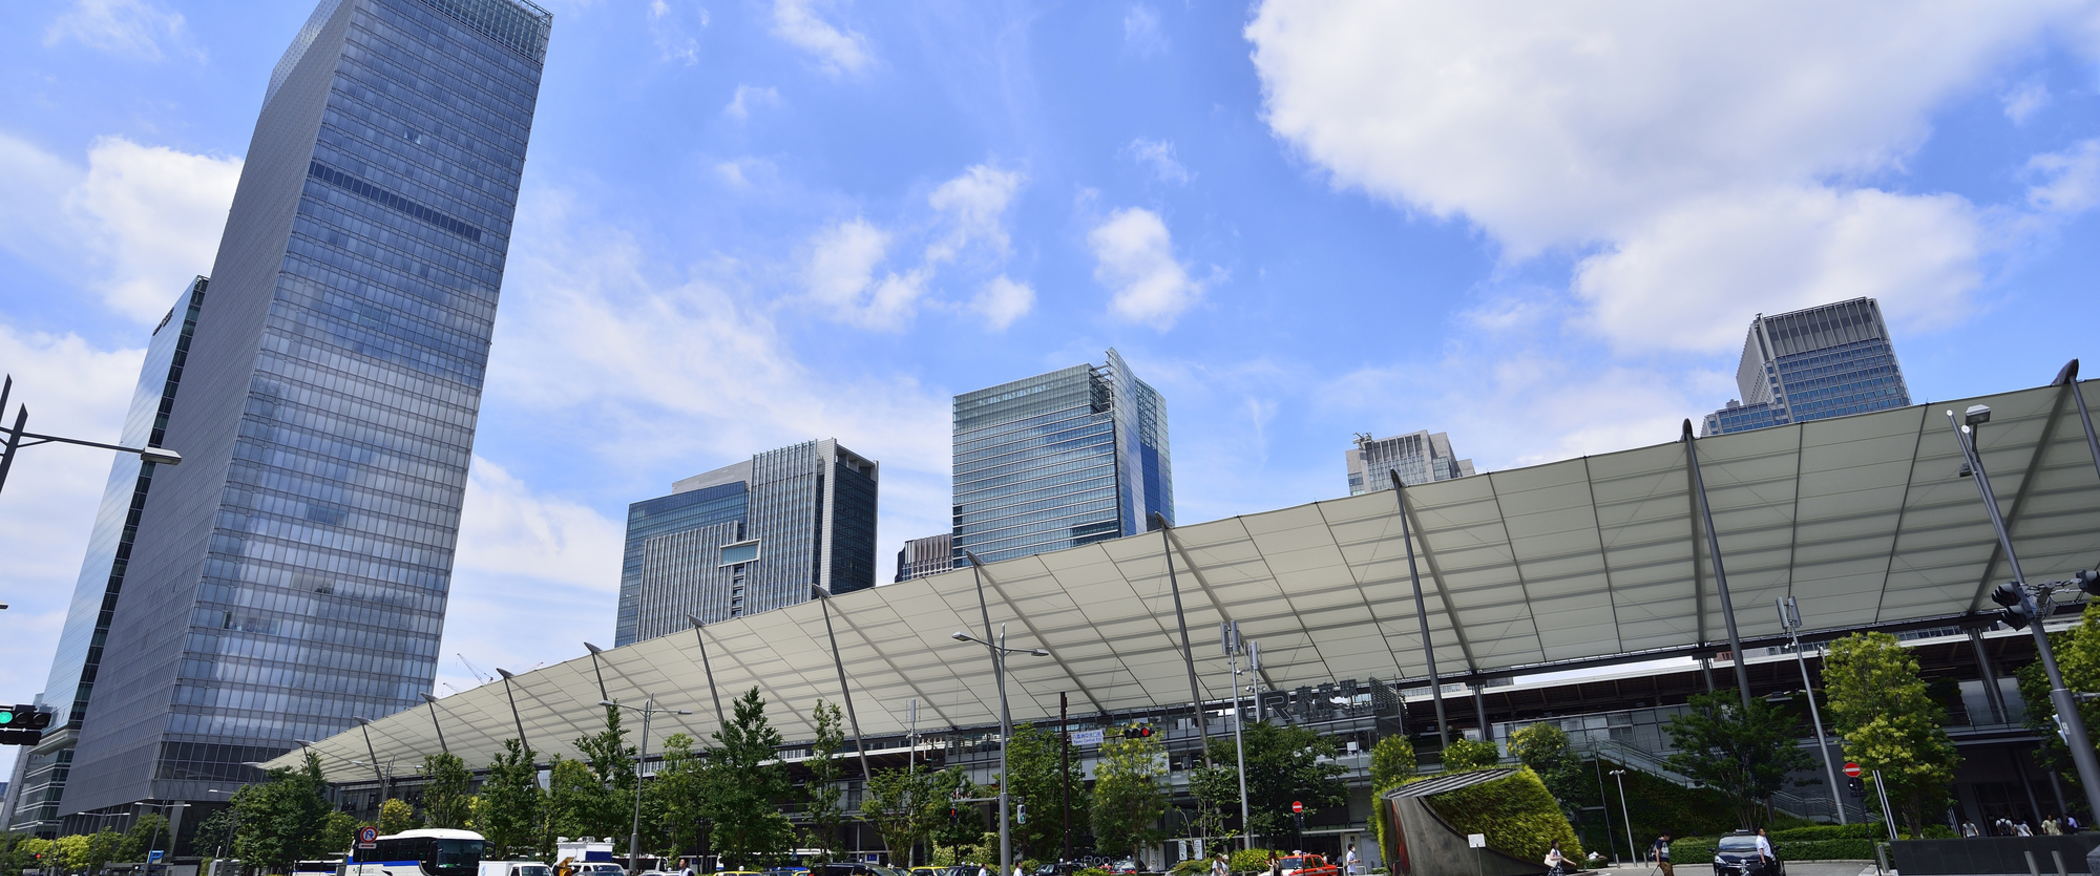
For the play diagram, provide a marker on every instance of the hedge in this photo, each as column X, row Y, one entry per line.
column 1250, row 860
column 1517, row 813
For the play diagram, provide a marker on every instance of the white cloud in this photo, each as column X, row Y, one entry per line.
column 1141, row 31
column 748, row 97
column 507, row 530
column 840, row 276
column 1002, row 301
column 838, row 51
column 674, row 33
column 1158, row 157
column 138, row 29
column 1692, row 279
column 2024, row 100
column 2071, row 179
column 1134, row 258
column 140, row 221
column 1593, row 123
column 974, row 205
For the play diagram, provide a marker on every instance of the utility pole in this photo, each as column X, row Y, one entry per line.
column 1064, row 779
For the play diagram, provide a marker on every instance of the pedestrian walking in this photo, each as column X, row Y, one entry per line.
column 1556, row 863
column 1218, row 867
column 1765, row 857
column 1968, row 828
column 2022, row 829
column 1660, row 854
column 2052, row 827
column 1350, row 862
column 2070, row 823
column 1275, row 863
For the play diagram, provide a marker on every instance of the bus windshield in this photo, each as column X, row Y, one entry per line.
column 456, row 857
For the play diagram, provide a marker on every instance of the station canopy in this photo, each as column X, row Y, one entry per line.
column 1864, row 519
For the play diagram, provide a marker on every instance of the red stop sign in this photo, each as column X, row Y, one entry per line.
column 1852, row 769
column 1297, row 806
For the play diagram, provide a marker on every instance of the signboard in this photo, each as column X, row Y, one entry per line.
column 1476, row 840
column 1087, row 737
column 1852, row 769
column 1297, row 806
column 368, row 837
column 153, row 857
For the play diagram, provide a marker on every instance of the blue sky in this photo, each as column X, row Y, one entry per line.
column 752, row 222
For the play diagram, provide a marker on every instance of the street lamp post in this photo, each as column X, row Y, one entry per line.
column 154, row 837
column 18, row 437
column 2068, row 718
column 218, row 852
column 641, row 751
column 1625, row 815
column 1790, row 618
column 1006, row 730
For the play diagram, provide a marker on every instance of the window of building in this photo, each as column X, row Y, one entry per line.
column 741, row 552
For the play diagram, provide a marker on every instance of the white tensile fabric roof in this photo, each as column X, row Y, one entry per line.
column 1863, row 518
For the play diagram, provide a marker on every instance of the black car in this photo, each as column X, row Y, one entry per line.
column 1736, row 855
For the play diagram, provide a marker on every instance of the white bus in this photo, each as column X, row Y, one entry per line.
column 423, row 852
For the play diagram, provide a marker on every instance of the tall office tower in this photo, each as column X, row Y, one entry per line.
column 1418, row 457
column 291, row 575
column 40, row 772
column 747, row 538
column 921, row 557
column 1825, row 361
column 1071, row 457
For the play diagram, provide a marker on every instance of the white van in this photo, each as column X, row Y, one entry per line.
column 514, row 868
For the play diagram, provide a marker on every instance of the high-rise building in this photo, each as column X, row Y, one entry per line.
column 1824, row 361
column 1418, row 457
column 40, row 772
column 1075, row 456
column 747, row 538
column 921, row 557
column 291, row 575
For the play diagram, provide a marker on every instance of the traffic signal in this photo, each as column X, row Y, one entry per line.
column 1856, row 786
column 1138, row 731
column 2017, row 612
column 2087, row 580
column 22, row 724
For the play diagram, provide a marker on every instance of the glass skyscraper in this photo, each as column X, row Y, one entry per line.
column 747, row 538
column 292, row 573
column 41, row 772
column 1824, row 361
column 1057, row 460
column 1418, row 457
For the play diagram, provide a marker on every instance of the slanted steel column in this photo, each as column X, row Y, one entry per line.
column 1713, row 553
column 595, row 670
column 1436, row 682
column 2069, row 377
column 1188, row 651
column 860, row 746
column 720, row 719
column 514, row 710
column 435, row 725
column 1480, row 711
column 1991, row 693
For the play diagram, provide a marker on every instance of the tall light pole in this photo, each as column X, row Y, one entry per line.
column 1790, row 618
column 155, row 835
column 2067, row 716
column 18, row 437
column 1619, row 776
column 219, row 851
column 641, row 751
column 1006, row 732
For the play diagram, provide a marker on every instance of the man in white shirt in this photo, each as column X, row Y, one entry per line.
column 1350, row 861
column 1764, row 848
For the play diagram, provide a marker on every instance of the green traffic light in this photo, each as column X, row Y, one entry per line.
column 7, row 716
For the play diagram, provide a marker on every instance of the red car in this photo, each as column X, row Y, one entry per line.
column 1307, row 865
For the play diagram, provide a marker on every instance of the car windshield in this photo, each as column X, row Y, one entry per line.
column 533, row 870
column 1738, row 844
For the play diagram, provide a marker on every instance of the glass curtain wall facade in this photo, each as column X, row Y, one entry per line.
column 921, row 557
column 1827, row 361
column 292, row 574
column 747, row 538
column 41, row 772
column 1062, row 459
column 1418, row 457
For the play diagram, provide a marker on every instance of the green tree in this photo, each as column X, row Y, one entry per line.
column 338, row 833
column 446, row 794
column 511, row 810
column 1128, row 800
column 2078, row 658
column 149, row 831
column 215, row 833
column 1745, row 754
column 744, row 790
column 285, row 818
column 1544, row 748
column 906, row 806
column 1284, row 765
column 395, row 816
column 104, row 846
column 576, row 802
column 967, row 825
column 71, row 851
column 1470, row 754
column 1041, row 777
column 678, row 797
column 1392, row 765
column 823, row 805
column 611, row 762
column 1880, row 707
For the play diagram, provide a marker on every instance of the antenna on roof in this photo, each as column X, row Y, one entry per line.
column 1363, row 438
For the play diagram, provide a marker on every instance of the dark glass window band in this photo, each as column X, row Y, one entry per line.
column 392, row 201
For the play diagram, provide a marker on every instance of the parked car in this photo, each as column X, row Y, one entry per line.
column 600, row 868
column 1736, row 855
column 1307, row 865
column 513, row 868
column 1126, row 866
